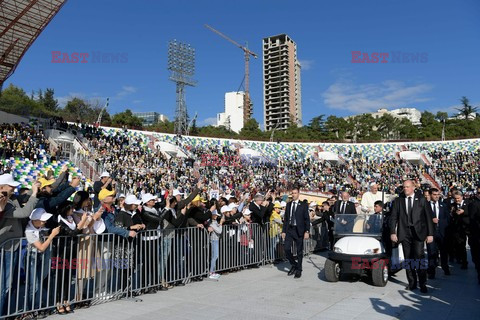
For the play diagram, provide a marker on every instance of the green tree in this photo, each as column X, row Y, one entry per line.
column 251, row 129
column 127, row 119
column 336, row 128
column 466, row 110
column 48, row 100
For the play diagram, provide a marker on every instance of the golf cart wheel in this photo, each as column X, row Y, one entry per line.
column 380, row 273
column 332, row 270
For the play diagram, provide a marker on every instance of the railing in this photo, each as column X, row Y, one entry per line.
column 105, row 267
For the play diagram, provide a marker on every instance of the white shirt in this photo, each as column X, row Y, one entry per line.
column 406, row 201
column 436, row 208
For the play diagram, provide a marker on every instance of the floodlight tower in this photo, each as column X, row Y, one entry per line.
column 181, row 63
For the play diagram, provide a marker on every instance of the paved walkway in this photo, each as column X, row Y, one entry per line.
column 267, row 293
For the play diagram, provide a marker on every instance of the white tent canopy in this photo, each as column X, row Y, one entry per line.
column 249, row 152
column 412, row 156
column 328, row 156
column 170, row 149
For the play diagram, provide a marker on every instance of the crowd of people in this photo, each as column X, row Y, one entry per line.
column 144, row 192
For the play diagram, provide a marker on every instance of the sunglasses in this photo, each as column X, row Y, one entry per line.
column 4, row 193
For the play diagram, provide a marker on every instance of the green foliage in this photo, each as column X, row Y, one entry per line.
column 251, row 129
column 359, row 128
column 126, row 119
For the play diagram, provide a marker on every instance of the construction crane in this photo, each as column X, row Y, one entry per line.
column 99, row 120
column 247, row 105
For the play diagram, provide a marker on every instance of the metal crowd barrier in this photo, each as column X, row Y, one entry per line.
column 99, row 268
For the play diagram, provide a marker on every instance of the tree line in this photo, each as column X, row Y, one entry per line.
column 359, row 128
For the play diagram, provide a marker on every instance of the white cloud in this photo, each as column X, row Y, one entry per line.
column 126, row 90
column 208, row 122
column 361, row 98
column 306, row 64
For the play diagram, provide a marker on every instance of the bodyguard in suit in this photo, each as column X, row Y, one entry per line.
column 441, row 220
column 474, row 239
column 295, row 228
column 461, row 221
column 411, row 225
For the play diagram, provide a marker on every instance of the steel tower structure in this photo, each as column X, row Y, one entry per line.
column 181, row 63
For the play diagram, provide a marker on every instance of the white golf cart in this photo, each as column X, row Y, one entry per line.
column 358, row 249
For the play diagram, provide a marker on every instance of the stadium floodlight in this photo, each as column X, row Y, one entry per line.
column 181, row 63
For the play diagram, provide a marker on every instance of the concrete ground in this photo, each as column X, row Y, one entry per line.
column 268, row 293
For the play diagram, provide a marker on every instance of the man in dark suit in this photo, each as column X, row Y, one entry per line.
column 344, row 206
column 344, row 224
column 258, row 207
column 474, row 239
column 295, row 228
column 461, row 221
column 411, row 224
column 441, row 220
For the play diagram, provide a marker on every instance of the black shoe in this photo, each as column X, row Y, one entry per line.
column 255, row 266
column 298, row 274
column 151, row 291
column 162, row 288
column 423, row 289
column 411, row 288
column 447, row 272
column 291, row 272
column 180, row 284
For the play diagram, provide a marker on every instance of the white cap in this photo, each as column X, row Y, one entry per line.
column 228, row 196
column 99, row 226
column 283, row 204
column 177, row 193
column 247, row 212
column 105, row 174
column 122, row 195
column 312, row 204
column 232, row 206
column 7, row 179
column 225, row 209
column 131, row 199
column 40, row 214
column 147, row 197
column 216, row 213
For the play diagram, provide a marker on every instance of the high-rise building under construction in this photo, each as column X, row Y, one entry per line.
column 282, row 100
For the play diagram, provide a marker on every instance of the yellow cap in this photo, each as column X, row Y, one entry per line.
column 44, row 182
column 105, row 193
column 197, row 198
column 277, row 205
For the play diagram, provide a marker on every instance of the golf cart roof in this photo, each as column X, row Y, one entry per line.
column 358, row 225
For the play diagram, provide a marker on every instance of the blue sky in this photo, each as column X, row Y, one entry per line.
column 326, row 33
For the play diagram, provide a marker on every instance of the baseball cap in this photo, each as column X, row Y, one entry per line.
column 177, row 193
column 44, row 182
column 277, row 205
column 147, row 197
column 7, row 179
column 131, row 199
column 225, row 209
column 247, row 212
column 232, row 206
column 105, row 174
column 40, row 214
column 105, row 193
